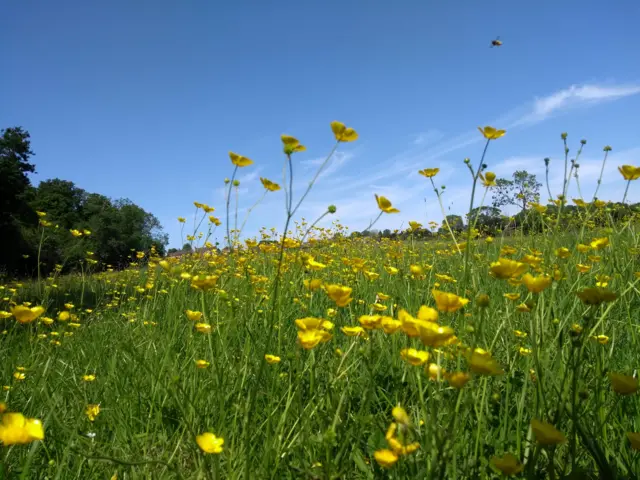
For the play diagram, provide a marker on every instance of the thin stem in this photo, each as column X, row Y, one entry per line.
column 547, row 178
column 249, row 211
column 444, row 214
column 473, row 193
column 235, row 170
column 313, row 225
column 373, row 222
column 39, row 250
column 235, row 222
column 626, row 190
column 604, row 161
column 313, row 181
column 291, row 183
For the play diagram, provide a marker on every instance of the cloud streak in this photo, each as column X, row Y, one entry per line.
column 576, row 96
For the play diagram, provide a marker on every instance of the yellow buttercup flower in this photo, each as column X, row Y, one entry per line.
column 414, row 225
column 339, row 294
column 434, row 335
column 537, row 207
column 92, row 411
column 209, row 443
column 371, row 322
column 193, row 315
column 491, row 133
column 390, row 325
column 203, row 282
column 353, row 331
column 25, row 314
column 202, row 364
column 203, row 327
column 601, row 339
column 88, row 378
column 313, row 323
column 629, row 172
column 562, row 252
column 401, row 416
column 448, row 302
column 343, row 133
column 239, row 160
column 482, row 363
column 536, row 284
column 313, row 265
column 583, row 248
column 269, row 185
column 599, row 243
column 309, row 339
column 16, row 429
column 271, row 359
column 505, row 268
column 291, row 144
column 458, row 379
column 488, row 179
column 414, row 357
column 508, row 464
column 312, row 285
column 546, row 434
column 378, row 307
column 385, row 205
column 623, row 384
column 429, row 172
column 385, row 458
column 596, row 296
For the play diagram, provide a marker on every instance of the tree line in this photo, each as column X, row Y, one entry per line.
column 60, row 225
column 521, row 191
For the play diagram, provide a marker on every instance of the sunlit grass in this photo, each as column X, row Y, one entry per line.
column 459, row 357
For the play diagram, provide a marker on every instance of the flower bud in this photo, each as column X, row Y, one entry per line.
column 482, row 300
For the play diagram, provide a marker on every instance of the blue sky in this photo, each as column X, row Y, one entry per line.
column 144, row 99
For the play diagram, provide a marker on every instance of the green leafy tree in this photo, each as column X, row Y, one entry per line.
column 488, row 219
column 455, row 222
column 15, row 213
column 523, row 189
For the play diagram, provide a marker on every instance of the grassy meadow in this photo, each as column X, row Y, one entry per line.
column 318, row 355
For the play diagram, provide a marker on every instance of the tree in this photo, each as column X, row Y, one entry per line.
column 186, row 247
column 488, row 219
column 522, row 190
column 15, row 213
column 111, row 230
column 455, row 222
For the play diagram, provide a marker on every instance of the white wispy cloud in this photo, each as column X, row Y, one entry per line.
column 575, row 96
column 428, row 137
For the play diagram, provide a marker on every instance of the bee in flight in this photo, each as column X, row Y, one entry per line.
column 496, row 43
